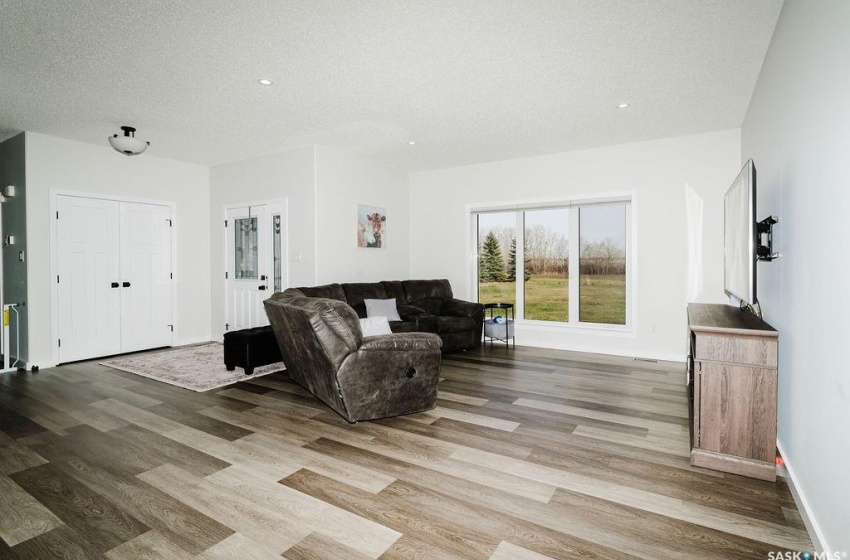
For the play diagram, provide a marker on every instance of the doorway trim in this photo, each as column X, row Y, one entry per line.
column 276, row 203
column 54, row 259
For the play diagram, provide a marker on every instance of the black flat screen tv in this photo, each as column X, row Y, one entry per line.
column 740, row 236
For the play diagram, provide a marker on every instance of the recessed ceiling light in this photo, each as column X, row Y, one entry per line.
column 622, row 105
column 411, row 142
column 265, row 82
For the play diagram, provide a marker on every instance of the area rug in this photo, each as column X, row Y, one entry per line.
column 198, row 368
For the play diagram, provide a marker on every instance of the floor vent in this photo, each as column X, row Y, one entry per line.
column 645, row 360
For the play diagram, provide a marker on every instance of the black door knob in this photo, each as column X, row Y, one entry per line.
column 410, row 372
column 126, row 284
column 261, row 288
column 115, row 284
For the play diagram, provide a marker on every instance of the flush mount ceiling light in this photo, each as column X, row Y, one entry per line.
column 411, row 142
column 128, row 144
column 622, row 105
column 265, row 82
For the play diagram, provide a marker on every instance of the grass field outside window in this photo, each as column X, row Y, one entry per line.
column 603, row 297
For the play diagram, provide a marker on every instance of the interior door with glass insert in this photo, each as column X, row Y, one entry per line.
column 255, row 261
column 248, row 268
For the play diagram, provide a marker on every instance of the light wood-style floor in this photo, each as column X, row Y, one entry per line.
column 530, row 454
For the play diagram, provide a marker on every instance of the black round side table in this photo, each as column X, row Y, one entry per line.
column 503, row 332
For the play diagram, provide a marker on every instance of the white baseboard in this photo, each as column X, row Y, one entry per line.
column 607, row 350
column 193, row 340
column 803, row 506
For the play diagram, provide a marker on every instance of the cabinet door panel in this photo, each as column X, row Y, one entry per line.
column 738, row 410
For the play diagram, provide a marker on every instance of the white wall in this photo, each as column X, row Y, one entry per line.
column 54, row 163
column 289, row 175
column 797, row 130
column 342, row 181
column 656, row 172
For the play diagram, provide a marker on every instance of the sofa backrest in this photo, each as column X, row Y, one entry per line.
column 330, row 291
column 315, row 335
column 394, row 290
column 355, row 294
column 428, row 295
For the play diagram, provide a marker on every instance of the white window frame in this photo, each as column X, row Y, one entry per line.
column 573, row 204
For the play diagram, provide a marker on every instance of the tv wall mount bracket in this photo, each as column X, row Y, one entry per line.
column 764, row 248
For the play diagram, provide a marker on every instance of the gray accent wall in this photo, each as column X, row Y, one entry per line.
column 797, row 130
column 14, row 209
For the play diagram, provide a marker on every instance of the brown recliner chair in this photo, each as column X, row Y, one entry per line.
column 361, row 378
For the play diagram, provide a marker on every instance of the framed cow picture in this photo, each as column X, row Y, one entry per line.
column 371, row 227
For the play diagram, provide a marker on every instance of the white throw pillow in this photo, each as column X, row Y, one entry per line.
column 382, row 308
column 373, row 326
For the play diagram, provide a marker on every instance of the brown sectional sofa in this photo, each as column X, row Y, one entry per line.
column 423, row 305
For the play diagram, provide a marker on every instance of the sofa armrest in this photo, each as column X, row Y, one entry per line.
column 390, row 375
column 401, row 342
column 460, row 308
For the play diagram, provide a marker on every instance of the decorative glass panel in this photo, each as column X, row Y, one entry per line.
column 246, row 254
column 602, row 264
column 277, row 254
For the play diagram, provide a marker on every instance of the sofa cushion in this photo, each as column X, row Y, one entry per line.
column 404, row 327
column 454, row 324
column 417, row 290
column 394, row 289
column 356, row 293
column 382, row 308
column 329, row 291
column 431, row 306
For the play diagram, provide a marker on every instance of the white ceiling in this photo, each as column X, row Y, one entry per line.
column 469, row 81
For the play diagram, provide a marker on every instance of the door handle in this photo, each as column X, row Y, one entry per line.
column 115, row 284
column 126, row 284
column 262, row 288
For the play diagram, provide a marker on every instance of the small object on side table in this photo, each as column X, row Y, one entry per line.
column 250, row 348
column 499, row 327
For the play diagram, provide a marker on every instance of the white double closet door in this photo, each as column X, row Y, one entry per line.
column 114, row 277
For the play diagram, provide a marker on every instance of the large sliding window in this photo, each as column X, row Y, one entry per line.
column 524, row 257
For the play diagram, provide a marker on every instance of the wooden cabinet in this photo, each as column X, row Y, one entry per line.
column 732, row 364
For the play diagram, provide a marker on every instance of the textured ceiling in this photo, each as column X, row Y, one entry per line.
column 469, row 81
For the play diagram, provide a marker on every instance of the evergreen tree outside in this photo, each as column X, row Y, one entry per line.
column 491, row 265
column 511, row 274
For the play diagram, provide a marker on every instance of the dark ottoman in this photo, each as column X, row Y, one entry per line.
column 250, row 348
